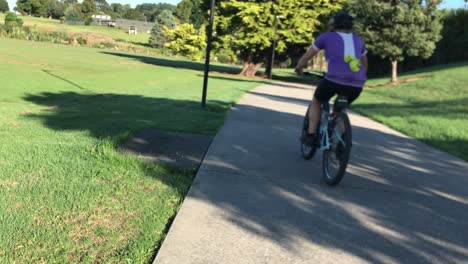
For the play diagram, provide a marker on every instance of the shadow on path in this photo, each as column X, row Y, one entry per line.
column 400, row 202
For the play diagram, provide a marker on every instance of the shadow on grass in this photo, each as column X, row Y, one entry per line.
column 111, row 115
column 114, row 117
column 179, row 64
column 233, row 70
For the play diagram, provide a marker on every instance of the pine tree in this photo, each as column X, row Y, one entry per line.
column 396, row 29
column 158, row 36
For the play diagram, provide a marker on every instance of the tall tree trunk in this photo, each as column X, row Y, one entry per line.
column 394, row 70
column 268, row 68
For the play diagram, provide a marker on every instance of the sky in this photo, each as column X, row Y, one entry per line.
column 133, row 3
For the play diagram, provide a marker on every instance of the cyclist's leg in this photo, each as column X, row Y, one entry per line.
column 323, row 93
column 314, row 115
column 351, row 92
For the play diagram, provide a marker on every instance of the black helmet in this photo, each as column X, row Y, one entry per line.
column 342, row 20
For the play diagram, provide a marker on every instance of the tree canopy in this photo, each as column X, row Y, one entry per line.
column 4, row 7
column 397, row 29
column 184, row 11
column 248, row 27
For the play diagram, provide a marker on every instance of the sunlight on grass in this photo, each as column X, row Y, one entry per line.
column 433, row 110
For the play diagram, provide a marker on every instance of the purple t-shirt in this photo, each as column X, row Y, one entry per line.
column 337, row 45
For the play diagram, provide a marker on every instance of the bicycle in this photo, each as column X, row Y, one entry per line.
column 333, row 138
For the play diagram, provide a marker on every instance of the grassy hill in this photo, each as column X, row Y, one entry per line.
column 66, row 194
column 432, row 106
column 45, row 24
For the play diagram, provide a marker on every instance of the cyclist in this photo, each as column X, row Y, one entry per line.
column 347, row 66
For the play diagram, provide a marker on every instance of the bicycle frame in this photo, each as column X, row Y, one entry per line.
column 324, row 135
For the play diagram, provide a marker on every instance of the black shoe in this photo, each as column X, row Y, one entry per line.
column 308, row 139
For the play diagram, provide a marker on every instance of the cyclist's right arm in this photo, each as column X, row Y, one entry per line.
column 364, row 62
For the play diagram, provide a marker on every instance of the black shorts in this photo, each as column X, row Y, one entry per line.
column 327, row 89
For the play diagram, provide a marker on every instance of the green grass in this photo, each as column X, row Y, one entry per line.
column 433, row 110
column 66, row 194
column 45, row 24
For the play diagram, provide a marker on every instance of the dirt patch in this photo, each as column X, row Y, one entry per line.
column 8, row 183
column 181, row 150
column 408, row 80
column 91, row 38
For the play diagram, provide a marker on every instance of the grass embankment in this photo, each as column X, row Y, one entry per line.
column 433, row 109
column 66, row 194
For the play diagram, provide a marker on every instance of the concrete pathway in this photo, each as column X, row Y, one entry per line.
column 255, row 200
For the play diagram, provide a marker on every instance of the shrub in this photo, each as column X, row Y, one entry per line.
column 225, row 57
column 104, row 45
column 12, row 22
column 88, row 21
column 82, row 41
column 187, row 41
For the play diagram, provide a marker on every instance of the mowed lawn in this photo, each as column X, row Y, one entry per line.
column 433, row 110
column 66, row 194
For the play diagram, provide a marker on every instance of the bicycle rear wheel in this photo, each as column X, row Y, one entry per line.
column 335, row 160
column 308, row 152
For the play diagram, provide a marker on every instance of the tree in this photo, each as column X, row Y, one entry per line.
column 56, row 9
column 119, row 10
column 36, row 8
column 88, row 7
column 248, row 27
column 151, row 11
column 103, row 6
column 184, row 11
column 134, row 14
column 4, row 6
column 396, row 29
column 167, row 19
column 158, row 36
column 73, row 12
column 187, row 41
column 197, row 16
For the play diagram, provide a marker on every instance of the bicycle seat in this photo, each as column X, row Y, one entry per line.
column 341, row 103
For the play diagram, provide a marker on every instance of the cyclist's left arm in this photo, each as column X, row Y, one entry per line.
column 318, row 45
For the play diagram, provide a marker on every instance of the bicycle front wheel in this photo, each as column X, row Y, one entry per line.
column 335, row 159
